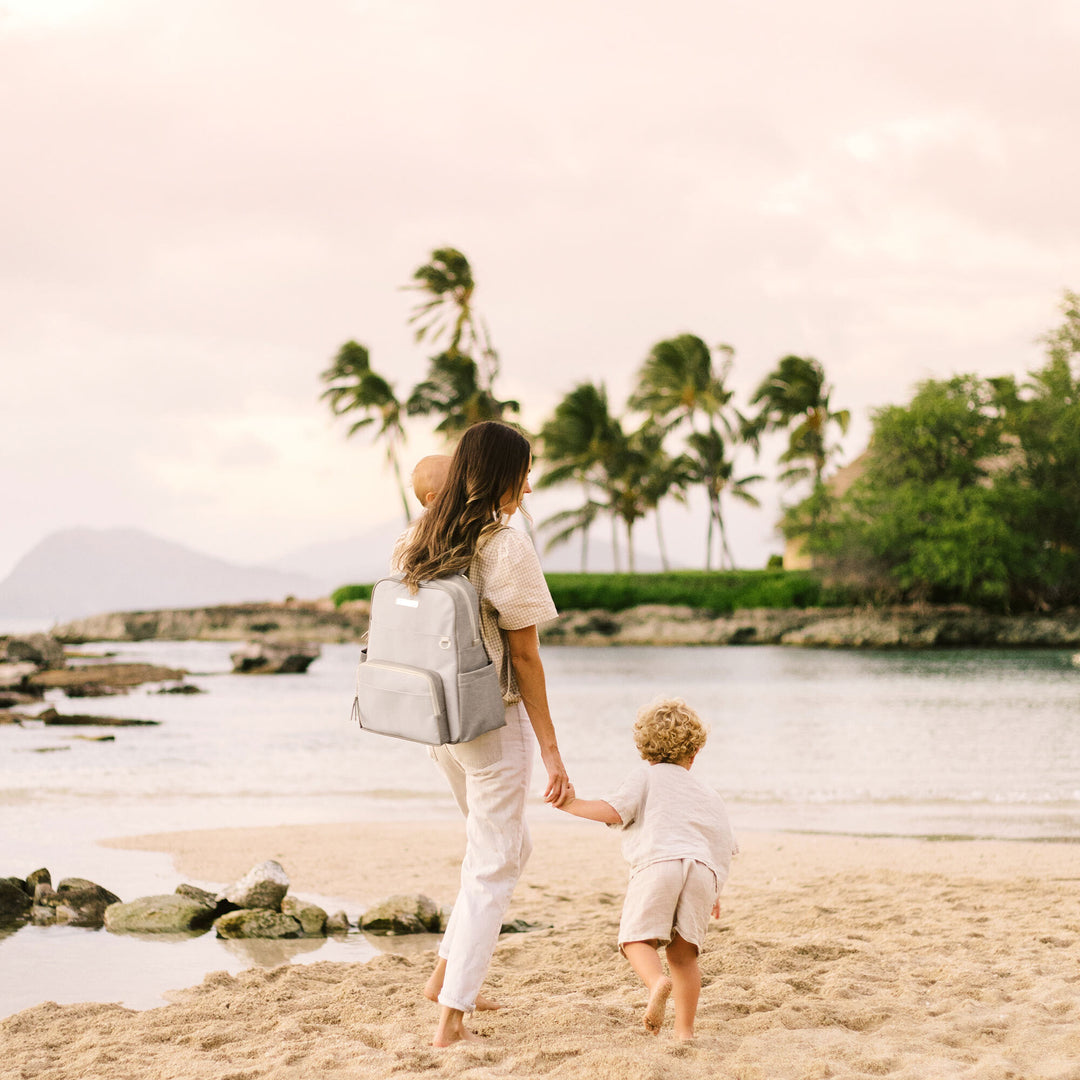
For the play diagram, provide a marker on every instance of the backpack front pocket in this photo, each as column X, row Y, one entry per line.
column 481, row 703
column 402, row 701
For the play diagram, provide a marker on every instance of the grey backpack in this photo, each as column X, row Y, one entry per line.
column 425, row 675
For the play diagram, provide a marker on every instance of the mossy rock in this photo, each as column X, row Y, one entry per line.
column 257, row 923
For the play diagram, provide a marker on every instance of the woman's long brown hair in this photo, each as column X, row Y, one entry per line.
column 491, row 460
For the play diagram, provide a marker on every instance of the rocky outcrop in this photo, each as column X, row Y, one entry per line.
column 75, row 902
column 257, row 923
column 94, row 680
column 874, row 628
column 41, row 650
column 51, row 718
column 167, row 914
column 867, row 627
column 263, row 886
column 268, row 658
column 402, row 915
column 338, row 923
column 315, row 621
column 15, row 902
column 311, row 917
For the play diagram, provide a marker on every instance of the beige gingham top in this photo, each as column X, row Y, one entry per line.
column 509, row 582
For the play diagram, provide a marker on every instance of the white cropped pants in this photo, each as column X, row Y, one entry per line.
column 489, row 778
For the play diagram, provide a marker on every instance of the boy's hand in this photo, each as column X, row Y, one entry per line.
column 569, row 796
column 716, row 909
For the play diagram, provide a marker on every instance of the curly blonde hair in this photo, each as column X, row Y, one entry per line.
column 669, row 730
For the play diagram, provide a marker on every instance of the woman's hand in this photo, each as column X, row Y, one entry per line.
column 559, row 790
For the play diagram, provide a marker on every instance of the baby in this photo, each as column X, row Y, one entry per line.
column 678, row 842
column 429, row 476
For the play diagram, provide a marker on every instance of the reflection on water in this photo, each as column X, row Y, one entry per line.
column 67, row 964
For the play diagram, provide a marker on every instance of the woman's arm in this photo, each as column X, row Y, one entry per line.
column 524, row 646
column 593, row 809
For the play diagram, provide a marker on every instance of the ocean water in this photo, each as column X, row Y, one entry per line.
column 945, row 743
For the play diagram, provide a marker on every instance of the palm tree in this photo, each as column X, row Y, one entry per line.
column 448, row 282
column 353, row 387
column 677, row 382
column 715, row 471
column 453, row 389
column 664, row 476
column 460, row 382
column 795, row 392
column 578, row 443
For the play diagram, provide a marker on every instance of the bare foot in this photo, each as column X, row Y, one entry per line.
column 684, row 1036
column 452, row 1030
column 654, row 1011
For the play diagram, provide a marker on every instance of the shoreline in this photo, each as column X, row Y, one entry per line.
column 901, row 627
column 834, row 956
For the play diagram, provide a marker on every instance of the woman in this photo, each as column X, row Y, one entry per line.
column 465, row 531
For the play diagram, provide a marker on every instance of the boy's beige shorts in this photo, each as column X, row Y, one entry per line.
column 664, row 897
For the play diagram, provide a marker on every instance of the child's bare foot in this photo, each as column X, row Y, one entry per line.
column 684, row 1036
column 654, row 1011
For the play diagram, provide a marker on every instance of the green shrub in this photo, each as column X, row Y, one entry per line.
column 719, row 591
column 350, row 592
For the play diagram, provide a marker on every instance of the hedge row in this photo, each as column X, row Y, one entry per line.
column 718, row 591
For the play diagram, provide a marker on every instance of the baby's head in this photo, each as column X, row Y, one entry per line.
column 669, row 731
column 429, row 476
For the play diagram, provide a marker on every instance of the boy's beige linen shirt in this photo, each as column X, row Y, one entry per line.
column 509, row 582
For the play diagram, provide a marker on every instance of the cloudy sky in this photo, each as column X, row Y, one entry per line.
column 200, row 202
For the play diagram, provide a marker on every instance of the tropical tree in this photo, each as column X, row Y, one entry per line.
column 665, row 477
column 795, row 396
column 1046, row 422
column 677, row 382
column 578, row 444
column 708, row 465
column 453, row 389
column 938, row 513
column 461, row 378
column 655, row 475
column 632, row 479
column 677, row 385
column 353, row 387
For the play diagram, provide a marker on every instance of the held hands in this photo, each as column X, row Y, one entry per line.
column 559, row 790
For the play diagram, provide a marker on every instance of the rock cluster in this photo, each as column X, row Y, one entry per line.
column 74, row 901
column 22, row 658
column 256, row 906
column 31, row 664
column 268, row 658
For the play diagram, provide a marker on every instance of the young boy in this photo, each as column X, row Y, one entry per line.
column 429, row 476
column 678, row 842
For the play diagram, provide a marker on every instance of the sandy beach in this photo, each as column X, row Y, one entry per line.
column 834, row 957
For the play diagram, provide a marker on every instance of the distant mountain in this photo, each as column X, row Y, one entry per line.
column 357, row 560
column 91, row 571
